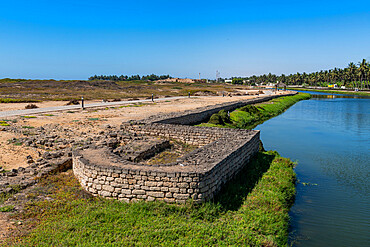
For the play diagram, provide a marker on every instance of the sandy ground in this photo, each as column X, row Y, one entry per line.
column 90, row 120
column 21, row 106
column 12, row 156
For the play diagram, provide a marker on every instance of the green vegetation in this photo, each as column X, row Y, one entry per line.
column 27, row 127
column 66, row 90
column 252, row 209
column 49, row 115
column 6, row 195
column 332, row 91
column 9, row 208
column 28, row 116
column 15, row 141
column 6, row 100
column 4, row 123
column 353, row 76
column 133, row 105
column 250, row 116
column 151, row 77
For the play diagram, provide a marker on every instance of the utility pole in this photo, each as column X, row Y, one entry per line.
column 199, row 76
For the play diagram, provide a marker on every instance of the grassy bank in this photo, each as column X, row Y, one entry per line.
column 250, row 116
column 251, row 210
column 332, row 91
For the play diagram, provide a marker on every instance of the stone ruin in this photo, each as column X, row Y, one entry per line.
column 122, row 172
column 116, row 163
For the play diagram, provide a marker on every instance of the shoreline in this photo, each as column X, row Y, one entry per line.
column 359, row 93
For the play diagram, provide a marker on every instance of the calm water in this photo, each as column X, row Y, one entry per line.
column 329, row 136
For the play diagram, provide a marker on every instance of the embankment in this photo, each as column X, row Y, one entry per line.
column 249, row 116
column 363, row 93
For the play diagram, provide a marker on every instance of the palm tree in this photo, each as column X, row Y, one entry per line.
column 362, row 70
column 352, row 69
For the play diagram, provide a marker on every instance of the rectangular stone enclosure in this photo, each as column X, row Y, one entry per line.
column 198, row 175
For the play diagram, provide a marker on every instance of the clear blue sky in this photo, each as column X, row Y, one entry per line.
column 74, row 39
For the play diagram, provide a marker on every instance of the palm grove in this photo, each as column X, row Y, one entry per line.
column 353, row 76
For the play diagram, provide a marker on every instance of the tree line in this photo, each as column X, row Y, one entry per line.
column 353, row 76
column 151, row 77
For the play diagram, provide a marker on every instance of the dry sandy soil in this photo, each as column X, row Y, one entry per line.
column 91, row 120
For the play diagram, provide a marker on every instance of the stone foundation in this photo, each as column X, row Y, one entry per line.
column 199, row 175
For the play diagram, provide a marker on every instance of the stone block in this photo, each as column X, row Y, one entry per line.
column 155, row 194
column 138, row 192
column 108, row 188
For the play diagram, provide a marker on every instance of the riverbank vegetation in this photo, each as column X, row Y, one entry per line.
column 250, row 116
column 332, row 91
column 353, row 76
column 251, row 210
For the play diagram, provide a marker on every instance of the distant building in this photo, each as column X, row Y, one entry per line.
column 228, row 81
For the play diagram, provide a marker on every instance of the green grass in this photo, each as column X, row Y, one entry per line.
column 250, row 116
column 133, row 105
column 28, row 116
column 4, row 123
column 9, row 208
column 251, row 210
column 93, row 119
column 5, row 196
column 27, row 127
column 49, row 115
column 6, row 100
column 332, row 91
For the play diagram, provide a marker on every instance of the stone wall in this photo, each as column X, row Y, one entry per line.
column 187, row 134
column 202, row 114
column 198, row 175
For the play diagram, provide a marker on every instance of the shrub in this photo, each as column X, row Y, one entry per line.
column 31, row 106
column 73, row 102
column 216, row 119
column 220, row 118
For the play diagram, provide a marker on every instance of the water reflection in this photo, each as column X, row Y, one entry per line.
column 329, row 135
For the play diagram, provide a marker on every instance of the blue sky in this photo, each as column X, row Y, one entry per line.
column 65, row 39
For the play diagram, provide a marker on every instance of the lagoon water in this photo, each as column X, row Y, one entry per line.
column 329, row 137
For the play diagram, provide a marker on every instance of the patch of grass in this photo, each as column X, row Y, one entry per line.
column 250, row 116
column 15, row 142
column 5, row 196
column 9, row 208
column 251, row 210
column 94, row 119
column 28, row 116
column 4, row 123
column 49, row 115
column 6, row 100
column 70, row 111
column 133, row 105
column 332, row 91
column 27, row 127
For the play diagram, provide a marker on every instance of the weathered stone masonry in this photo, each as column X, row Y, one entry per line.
column 198, row 175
